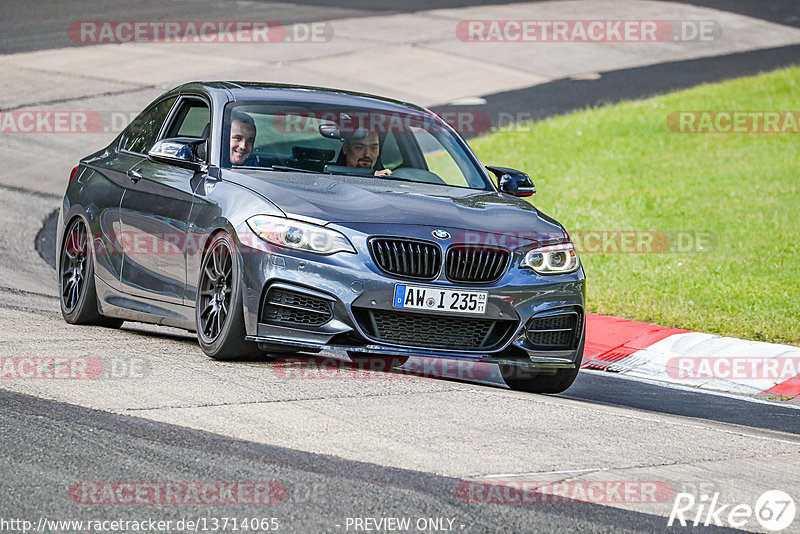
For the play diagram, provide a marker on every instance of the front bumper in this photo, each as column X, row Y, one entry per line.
column 352, row 284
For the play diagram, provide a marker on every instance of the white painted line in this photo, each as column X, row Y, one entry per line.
column 567, row 472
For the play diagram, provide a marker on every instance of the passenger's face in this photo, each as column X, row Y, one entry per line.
column 243, row 137
column 362, row 152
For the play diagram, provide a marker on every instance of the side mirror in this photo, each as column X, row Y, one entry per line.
column 187, row 152
column 513, row 182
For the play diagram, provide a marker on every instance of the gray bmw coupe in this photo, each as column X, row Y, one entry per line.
column 291, row 219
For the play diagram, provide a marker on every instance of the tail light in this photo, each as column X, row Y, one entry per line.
column 72, row 174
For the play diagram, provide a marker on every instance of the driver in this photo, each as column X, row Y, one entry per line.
column 243, row 137
column 363, row 153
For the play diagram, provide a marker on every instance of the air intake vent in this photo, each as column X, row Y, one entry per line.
column 554, row 332
column 290, row 308
column 420, row 260
column 466, row 263
column 433, row 331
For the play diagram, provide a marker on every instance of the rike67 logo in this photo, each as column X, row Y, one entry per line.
column 774, row 510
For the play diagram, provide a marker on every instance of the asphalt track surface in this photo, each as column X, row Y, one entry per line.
column 48, row 445
column 321, row 490
column 565, row 95
column 39, row 25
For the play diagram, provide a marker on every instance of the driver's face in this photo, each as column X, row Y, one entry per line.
column 243, row 137
column 362, row 152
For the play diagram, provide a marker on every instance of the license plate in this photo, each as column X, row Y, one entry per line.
column 444, row 300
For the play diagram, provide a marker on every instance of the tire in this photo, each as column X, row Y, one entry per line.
column 522, row 379
column 219, row 313
column 76, row 287
column 375, row 362
column 534, row 381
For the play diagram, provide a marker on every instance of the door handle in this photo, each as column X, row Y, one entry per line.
column 134, row 175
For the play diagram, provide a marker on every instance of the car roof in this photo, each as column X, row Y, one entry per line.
column 260, row 91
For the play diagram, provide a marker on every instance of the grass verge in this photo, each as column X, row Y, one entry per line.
column 620, row 168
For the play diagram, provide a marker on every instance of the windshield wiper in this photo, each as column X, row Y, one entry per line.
column 398, row 179
column 285, row 168
column 360, row 172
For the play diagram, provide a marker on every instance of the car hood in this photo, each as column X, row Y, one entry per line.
column 327, row 199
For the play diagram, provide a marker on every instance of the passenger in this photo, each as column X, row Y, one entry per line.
column 363, row 153
column 243, row 137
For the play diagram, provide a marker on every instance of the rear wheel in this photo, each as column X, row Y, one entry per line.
column 77, row 291
column 219, row 315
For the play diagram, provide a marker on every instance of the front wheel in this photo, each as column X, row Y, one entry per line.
column 219, row 314
column 536, row 381
column 524, row 379
column 77, row 292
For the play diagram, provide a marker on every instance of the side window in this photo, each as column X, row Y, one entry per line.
column 142, row 133
column 390, row 152
column 438, row 160
column 191, row 120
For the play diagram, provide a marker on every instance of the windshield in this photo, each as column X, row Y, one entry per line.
column 415, row 147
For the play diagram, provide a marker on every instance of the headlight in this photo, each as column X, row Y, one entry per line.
column 552, row 259
column 299, row 235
